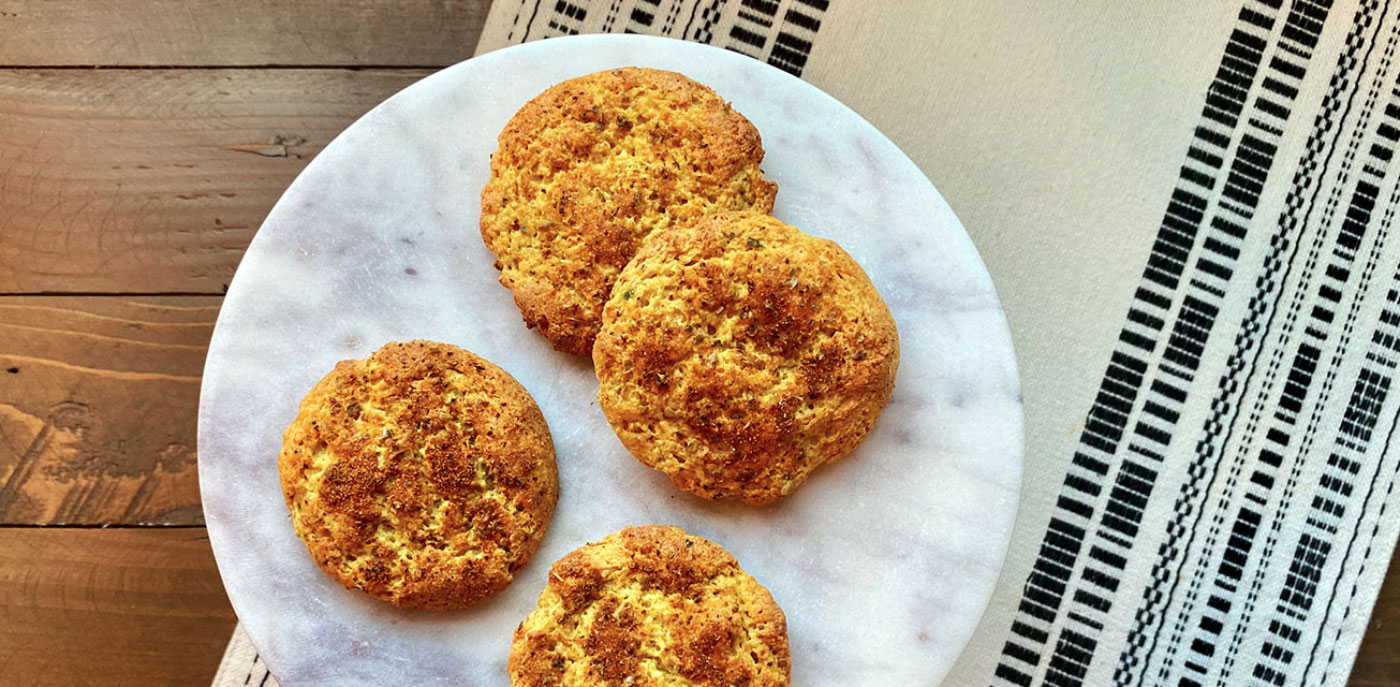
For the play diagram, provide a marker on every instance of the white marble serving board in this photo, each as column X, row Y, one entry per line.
column 882, row 562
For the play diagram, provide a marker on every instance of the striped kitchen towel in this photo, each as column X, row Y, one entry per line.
column 1188, row 211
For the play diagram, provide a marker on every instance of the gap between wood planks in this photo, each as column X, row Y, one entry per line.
column 129, row 197
column 98, row 407
column 125, row 606
column 239, row 33
column 153, row 181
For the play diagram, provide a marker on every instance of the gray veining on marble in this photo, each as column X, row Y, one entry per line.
column 883, row 562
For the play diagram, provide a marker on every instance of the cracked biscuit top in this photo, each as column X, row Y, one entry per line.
column 651, row 607
column 423, row 475
column 738, row 354
column 586, row 170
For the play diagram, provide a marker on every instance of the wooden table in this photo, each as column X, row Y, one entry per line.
column 141, row 144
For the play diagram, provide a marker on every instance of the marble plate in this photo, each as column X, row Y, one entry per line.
column 883, row 562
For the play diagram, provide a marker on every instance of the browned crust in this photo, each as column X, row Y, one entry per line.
column 647, row 605
column 423, row 475
column 737, row 354
column 591, row 166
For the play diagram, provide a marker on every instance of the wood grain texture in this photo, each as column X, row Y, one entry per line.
column 154, row 181
column 138, row 607
column 98, row 403
column 1378, row 662
column 239, row 32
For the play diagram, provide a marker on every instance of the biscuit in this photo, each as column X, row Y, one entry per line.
column 737, row 354
column 591, row 166
column 651, row 607
column 423, row 475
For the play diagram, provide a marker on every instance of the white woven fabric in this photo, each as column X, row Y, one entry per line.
column 241, row 665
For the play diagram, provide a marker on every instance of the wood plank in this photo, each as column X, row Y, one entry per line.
column 116, row 607
column 98, row 403
column 154, row 181
column 239, row 32
column 1378, row 662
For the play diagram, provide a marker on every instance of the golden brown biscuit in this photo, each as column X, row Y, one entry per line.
column 737, row 354
column 423, row 475
column 651, row 607
column 590, row 167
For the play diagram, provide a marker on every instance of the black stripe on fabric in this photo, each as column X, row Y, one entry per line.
column 801, row 20
column 768, row 7
column 1224, row 412
column 1305, row 368
column 790, row 41
column 1178, row 233
column 757, row 19
column 746, row 36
